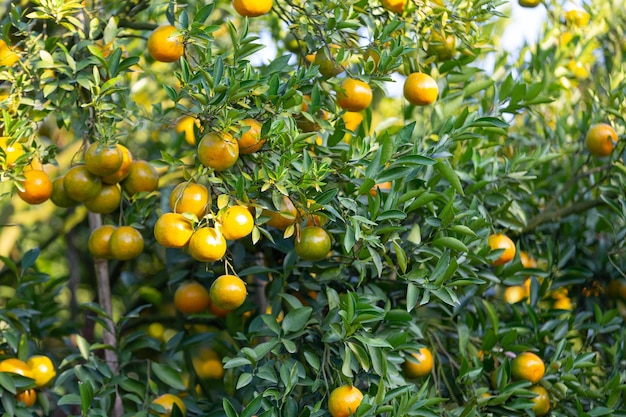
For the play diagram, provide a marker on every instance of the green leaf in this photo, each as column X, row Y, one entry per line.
column 448, row 173
column 29, row 259
column 86, row 396
column 252, row 407
column 169, row 376
column 228, row 408
column 450, row 243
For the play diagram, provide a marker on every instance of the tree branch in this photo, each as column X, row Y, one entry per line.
column 548, row 216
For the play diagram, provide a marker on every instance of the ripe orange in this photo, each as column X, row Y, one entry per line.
column 313, row 243
column 164, row 46
column 219, row 152
column 420, row 89
column 43, row 370
column 59, row 196
column 208, row 365
column 168, row 402
column 285, row 217
column 352, row 120
column 189, row 197
column 8, row 57
column 191, row 298
column 123, row 170
column 601, row 139
column 186, row 124
column 28, row 397
column 528, row 366
column 11, row 152
column 237, row 222
column 16, row 366
column 542, row 400
column 107, row 201
column 37, row 187
column 207, row 245
column 344, row 400
column 396, row 6
column 228, row 292
column 418, row 364
column 529, row 3
column 564, row 303
column 142, row 177
column 80, row 184
column 250, row 141
column 102, row 160
column 500, row 241
column 355, row 95
column 99, row 243
column 514, row 294
column 527, row 260
column 252, row 8
column 126, row 243
column 173, row 230
column 577, row 17
column 326, row 62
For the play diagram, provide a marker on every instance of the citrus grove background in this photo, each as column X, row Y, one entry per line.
column 195, row 221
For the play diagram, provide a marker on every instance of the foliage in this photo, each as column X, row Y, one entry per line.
column 409, row 198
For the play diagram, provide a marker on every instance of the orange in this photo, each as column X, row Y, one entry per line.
column 208, row 365
column 99, row 243
column 514, row 294
column 11, row 152
column 173, row 230
column 126, row 243
column 59, row 196
column 28, row 397
column 559, row 293
column 418, row 364
column 344, row 400
column 16, row 366
column 601, row 139
column 500, row 241
column 326, row 62
column 219, row 152
column 396, row 6
column 577, row 17
column 43, row 370
column 252, row 8
column 305, row 124
column 228, row 292
column 420, row 89
column 189, row 197
column 168, row 402
column 527, row 260
column 237, row 222
column 541, row 400
column 124, row 169
column 355, row 95
column 107, row 201
column 285, row 217
column 191, row 298
column 102, row 160
column 528, row 366
column 164, row 46
column 250, row 141
column 564, row 303
column 7, row 56
column 207, row 245
column 383, row 186
column 313, row 244
column 529, row 3
column 352, row 120
column 37, row 187
column 186, row 124
column 142, row 177
column 443, row 48
column 80, row 184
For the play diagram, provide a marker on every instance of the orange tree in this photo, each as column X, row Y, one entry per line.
column 311, row 209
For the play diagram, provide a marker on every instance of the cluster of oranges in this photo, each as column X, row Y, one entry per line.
column 39, row 368
column 527, row 366
column 226, row 294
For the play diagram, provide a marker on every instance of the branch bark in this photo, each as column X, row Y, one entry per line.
column 548, row 216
